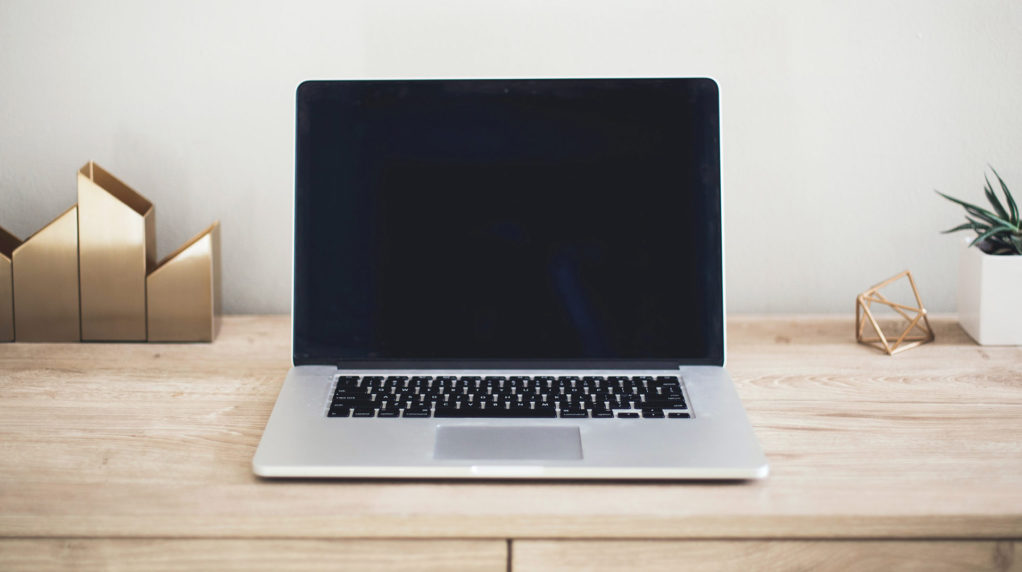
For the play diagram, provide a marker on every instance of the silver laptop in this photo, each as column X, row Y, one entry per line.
column 508, row 279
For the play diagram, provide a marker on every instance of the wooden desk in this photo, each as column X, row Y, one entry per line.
column 140, row 455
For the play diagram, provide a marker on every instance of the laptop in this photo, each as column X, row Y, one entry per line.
column 508, row 279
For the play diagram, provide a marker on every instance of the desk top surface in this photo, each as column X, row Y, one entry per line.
column 140, row 440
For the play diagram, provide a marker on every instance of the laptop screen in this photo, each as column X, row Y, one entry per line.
column 508, row 222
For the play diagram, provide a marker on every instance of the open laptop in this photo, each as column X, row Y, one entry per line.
column 508, row 279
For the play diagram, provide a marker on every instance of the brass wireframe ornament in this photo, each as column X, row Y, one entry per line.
column 917, row 331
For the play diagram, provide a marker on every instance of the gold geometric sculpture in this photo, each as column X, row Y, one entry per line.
column 183, row 292
column 8, row 242
column 117, row 247
column 45, row 269
column 917, row 330
column 91, row 274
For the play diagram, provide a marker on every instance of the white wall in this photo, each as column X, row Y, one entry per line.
column 839, row 118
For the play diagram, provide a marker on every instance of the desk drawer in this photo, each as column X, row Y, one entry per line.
column 698, row 555
column 252, row 554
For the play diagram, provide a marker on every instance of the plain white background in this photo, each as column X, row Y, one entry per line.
column 839, row 119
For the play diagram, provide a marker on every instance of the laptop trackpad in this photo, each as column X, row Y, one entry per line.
column 508, row 443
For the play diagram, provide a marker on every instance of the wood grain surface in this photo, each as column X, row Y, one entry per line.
column 251, row 555
column 156, row 441
column 764, row 556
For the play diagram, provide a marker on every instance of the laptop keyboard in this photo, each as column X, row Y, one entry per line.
column 596, row 397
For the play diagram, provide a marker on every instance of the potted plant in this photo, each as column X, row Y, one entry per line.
column 990, row 275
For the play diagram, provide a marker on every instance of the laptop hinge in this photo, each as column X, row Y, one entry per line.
column 513, row 364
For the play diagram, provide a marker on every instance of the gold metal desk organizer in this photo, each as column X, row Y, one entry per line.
column 8, row 242
column 45, row 270
column 184, row 291
column 116, row 248
column 91, row 274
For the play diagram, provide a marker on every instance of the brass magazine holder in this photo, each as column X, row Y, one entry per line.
column 91, row 274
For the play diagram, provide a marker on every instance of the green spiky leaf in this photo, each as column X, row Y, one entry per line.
column 1014, row 215
column 998, row 231
column 962, row 226
column 978, row 224
column 988, row 190
column 975, row 211
column 989, row 233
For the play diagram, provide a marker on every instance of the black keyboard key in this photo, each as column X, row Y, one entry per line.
column 604, row 414
column 389, row 412
column 495, row 412
column 360, row 404
column 573, row 413
column 336, row 411
column 416, row 412
column 653, row 413
column 624, row 415
column 678, row 415
column 663, row 404
column 451, row 411
column 347, row 397
column 530, row 412
column 363, row 412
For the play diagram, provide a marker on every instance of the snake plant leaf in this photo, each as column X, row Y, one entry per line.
column 978, row 224
column 987, row 216
column 998, row 231
column 962, row 226
column 990, row 233
column 1007, row 196
column 988, row 190
column 973, row 209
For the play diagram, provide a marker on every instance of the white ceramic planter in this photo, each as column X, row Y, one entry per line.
column 990, row 297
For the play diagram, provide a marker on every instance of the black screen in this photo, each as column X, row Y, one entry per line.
column 542, row 220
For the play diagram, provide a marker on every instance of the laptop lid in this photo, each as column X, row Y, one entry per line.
column 508, row 223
